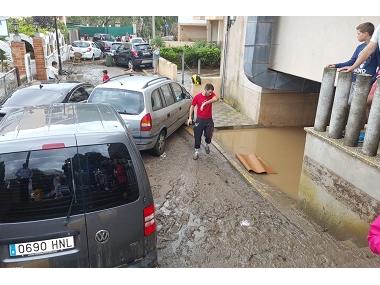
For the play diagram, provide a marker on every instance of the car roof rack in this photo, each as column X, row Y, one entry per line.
column 150, row 82
column 118, row 76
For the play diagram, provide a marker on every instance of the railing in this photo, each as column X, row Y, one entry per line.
column 8, row 82
column 347, row 121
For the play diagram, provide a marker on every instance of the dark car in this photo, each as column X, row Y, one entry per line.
column 103, row 37
column 134, row 55
column 46, row 93
column 104, row 46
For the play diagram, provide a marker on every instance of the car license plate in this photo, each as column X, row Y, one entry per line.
column 146, row 61
column 41, row 247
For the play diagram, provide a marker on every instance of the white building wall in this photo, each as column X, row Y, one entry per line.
column 302, row 46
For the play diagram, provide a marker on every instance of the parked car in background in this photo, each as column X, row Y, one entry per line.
column 89, row 50
column 152, row 107
column 46, row 93
column 103, row 37
column 73, row 190
column 134, row 55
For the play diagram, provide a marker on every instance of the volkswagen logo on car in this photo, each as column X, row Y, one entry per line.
column 102, row 236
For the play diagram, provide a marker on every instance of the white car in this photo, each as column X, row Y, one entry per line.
column 89, row 50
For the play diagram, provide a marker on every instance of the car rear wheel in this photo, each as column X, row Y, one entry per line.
column 159, row 147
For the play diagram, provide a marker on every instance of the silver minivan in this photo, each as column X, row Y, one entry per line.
column 152, row 107
column 73, row 190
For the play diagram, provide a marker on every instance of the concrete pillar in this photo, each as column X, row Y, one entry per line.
column 18, row 55
column 372, row 134
column 357, row 109
column 340, row 106
column 325, row 99
column 39, row 54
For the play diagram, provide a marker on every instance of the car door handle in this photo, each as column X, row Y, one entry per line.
column 168, row 115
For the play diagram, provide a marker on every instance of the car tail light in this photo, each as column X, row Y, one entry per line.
column 53, row 145
column 149, row 221
column 89, row 49
column 146, row 123
column 134, row 52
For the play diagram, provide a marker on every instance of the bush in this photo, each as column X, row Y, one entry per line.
column 208, row 53
column 157, row 41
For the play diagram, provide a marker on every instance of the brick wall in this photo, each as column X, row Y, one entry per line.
column 18, row 54
column 38, row 44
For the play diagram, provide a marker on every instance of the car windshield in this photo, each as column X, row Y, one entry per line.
column 33, row 97
column 81, row 44
column 124, row 101
column 143, row 47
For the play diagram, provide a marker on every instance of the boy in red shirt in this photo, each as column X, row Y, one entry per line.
column 204, row 123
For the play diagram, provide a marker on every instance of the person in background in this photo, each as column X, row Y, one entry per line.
column 52, row 71
column 105, row 77
column 364, row 33
column 156, row 58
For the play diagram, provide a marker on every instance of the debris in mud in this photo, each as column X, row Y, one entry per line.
column 245, row 223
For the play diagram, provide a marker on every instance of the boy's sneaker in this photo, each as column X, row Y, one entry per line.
column 196, row 155
column 207, row 148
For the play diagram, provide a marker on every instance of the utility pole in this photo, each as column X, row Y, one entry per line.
column 58, row 49
column 153, row 27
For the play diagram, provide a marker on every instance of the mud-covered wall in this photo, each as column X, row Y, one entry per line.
column 338, row 187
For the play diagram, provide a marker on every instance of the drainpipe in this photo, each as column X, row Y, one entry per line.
column 225, row 47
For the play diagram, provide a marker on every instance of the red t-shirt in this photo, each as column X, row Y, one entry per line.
column 105, row 77
column 207, row 110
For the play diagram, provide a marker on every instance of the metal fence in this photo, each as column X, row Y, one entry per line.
column 8, row 82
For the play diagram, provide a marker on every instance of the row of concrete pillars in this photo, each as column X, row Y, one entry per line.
column 345, row 120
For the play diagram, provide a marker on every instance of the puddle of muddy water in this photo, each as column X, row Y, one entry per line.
column 281, row 148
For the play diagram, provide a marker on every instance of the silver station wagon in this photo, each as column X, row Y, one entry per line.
column 152, row 107
column 73, row 190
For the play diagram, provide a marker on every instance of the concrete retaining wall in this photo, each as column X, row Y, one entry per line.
column 167, row 68
column 339, row 186
column 178, row 43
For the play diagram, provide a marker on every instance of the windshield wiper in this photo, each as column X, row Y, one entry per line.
column 74, row 197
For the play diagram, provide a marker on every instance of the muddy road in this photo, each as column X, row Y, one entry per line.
column 209, row 216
